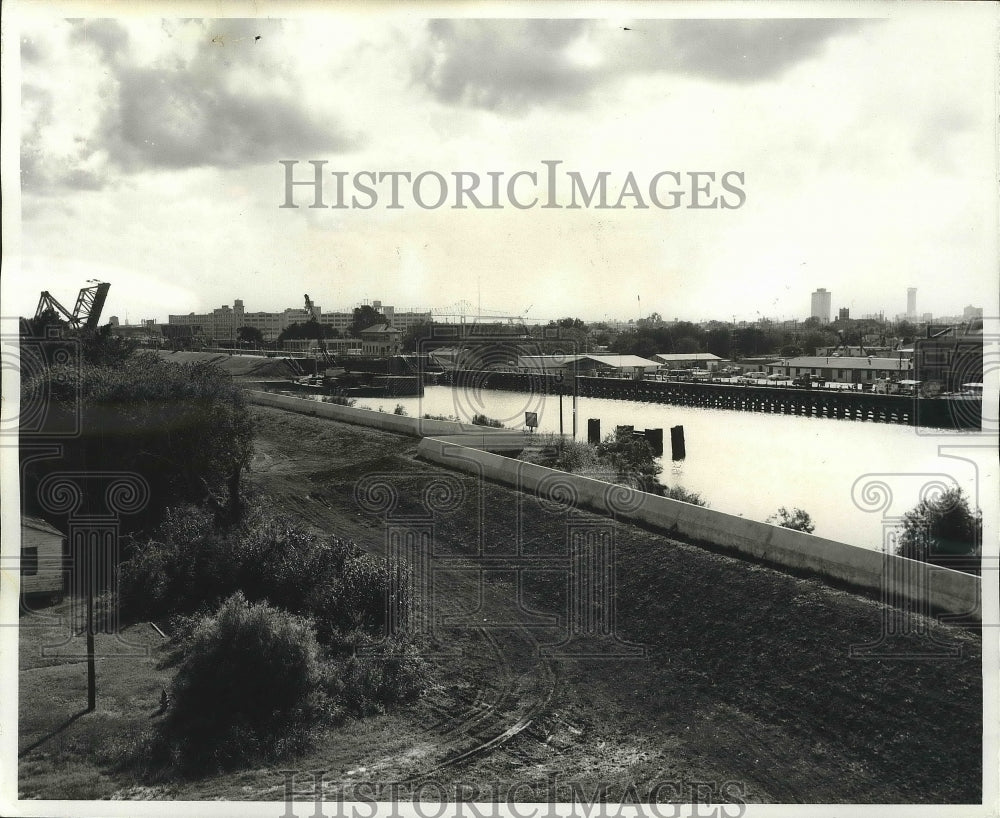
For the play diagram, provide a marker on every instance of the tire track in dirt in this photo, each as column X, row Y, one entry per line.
column 521, row 701
column 495, row 715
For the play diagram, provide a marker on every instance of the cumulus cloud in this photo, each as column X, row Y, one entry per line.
column 108, row 36
column 173, row 119
column 31, row 51
column 213, row 94
column 511, row 64
column 503, row 63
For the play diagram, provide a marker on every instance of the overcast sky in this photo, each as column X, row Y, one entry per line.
column 151, row 146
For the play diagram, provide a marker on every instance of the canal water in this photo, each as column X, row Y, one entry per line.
column 854, row 479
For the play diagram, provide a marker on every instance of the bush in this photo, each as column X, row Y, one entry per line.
column 169, row 572
column 797, row 520
column 483, row 420
column 366, row 685
column 632, row 460
column 399, row 410
column 340, row 400
column 622, row 459
column 685, row 496
column 249, row 688
column 194, row 561
column 944, row 531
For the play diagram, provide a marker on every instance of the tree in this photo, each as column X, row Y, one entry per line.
column 797, row 520
column 415, row 334
column 365, row 316
column 47, row 325
column 101, row 347
column 569, row 323
column 185, row 428
column 906, row 331
column 943, row 530
column 306, row 331
column 718, row 341
column 250, row 335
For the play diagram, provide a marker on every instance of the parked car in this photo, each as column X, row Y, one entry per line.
column 777, row 377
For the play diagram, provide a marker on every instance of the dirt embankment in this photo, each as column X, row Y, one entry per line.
column 726, row 681
column 749, row 675
column 241, row 367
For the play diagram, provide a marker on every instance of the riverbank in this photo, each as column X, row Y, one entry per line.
column 747, row 675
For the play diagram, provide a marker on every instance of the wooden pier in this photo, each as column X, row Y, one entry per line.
column 835, row 404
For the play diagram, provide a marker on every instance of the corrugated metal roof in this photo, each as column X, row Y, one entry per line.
column 691, row 356
column 615, row 361
column 845, row 362
column 622, row 360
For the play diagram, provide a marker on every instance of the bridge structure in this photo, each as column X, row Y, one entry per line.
column 86, row 312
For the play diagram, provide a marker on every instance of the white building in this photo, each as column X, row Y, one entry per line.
column 820, row 306
column 844, row 369
column 223, row 324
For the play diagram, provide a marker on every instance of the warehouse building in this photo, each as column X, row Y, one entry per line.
column 844, row 369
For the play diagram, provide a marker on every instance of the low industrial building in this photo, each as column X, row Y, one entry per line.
column 844, row 369
column 618, row 366
column 688, row 360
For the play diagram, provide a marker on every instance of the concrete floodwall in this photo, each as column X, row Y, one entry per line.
column 470, row 449
column 896, row 578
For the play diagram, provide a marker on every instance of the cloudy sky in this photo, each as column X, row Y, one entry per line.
column 151, row 147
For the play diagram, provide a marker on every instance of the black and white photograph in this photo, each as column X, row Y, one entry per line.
column 490, row 409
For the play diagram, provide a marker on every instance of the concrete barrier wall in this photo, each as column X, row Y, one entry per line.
column 895, row 577
column 470, row 449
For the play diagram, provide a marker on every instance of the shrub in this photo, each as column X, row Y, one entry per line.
column 194, row 561
column 483, row 420
column 632, row 460
column 623, row 459
column 685, row 496
column 340, row 400
column 797, row 520
column 249, row 688
column 369, row 684
column 165, row 572
column 943, row 530
column 399, row 410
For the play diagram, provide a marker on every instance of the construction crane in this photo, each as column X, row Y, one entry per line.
column 87, row 311
column 320, row 343
column 311, row 308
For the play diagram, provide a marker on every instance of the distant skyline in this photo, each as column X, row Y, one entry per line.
column 150, row 151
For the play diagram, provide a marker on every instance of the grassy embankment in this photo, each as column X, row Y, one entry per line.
column 747, row 675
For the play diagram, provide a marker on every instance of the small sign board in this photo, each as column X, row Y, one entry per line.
column 531, row 420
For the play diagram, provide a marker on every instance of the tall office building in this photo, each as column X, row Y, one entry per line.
column 821, row 305
column 911, row 302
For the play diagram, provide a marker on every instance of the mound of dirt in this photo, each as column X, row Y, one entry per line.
column 242, row 367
